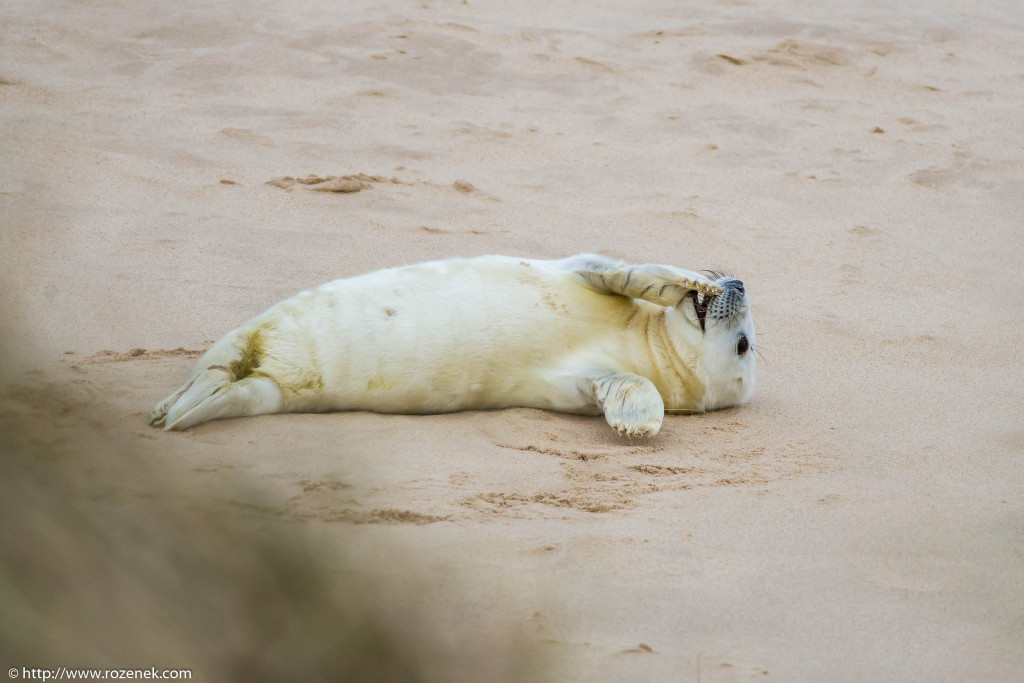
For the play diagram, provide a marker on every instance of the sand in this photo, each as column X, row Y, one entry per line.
column 861, row 168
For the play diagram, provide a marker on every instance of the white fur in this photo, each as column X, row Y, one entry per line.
column 487, row 332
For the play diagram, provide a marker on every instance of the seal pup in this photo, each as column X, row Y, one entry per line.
column 586, row 334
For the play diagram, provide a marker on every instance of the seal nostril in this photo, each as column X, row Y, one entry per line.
column 738, row 286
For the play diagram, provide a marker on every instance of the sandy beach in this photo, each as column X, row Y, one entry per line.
column 861, row 168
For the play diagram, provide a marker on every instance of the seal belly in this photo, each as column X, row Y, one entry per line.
column 446, row 336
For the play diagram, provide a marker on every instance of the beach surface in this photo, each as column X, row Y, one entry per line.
column 859, row 166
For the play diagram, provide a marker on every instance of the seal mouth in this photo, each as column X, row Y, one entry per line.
column 701, row 301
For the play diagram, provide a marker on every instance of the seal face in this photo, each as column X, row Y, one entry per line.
column 729, row 355
column 586, row 334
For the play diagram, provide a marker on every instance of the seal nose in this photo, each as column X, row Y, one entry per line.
column 738, row 286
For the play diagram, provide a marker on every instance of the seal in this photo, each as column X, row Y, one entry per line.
column 586, row 335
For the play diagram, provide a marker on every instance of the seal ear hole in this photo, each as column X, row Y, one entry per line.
column 742, row 346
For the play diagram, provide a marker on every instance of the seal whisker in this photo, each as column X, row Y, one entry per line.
column 760, row 355
column 715, row 274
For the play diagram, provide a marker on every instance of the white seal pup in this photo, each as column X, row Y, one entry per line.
column 586, row 334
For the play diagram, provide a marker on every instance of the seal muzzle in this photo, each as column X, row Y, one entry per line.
column 725, row 306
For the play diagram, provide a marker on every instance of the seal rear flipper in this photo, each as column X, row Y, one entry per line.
column 158, row 416
column 212, row 398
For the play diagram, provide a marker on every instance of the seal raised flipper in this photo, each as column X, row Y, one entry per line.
column 659, row 284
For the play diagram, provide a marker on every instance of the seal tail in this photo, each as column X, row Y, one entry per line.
column 223, row 385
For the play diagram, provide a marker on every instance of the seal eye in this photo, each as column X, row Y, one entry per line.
column 742, row 345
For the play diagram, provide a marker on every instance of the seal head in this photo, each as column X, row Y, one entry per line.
column 722, row 327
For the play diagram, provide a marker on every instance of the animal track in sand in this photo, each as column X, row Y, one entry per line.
column 661, row 470
column 642, row 648
column 573, row 454
column 505, row 503
column 343, row 184
column 732, row 60
column 328, row 485
column 604, row 478
column 332, row 500
column 963, row 171
column 338, row 513
column 108, row 356
column 803, row 55
column 246, row 135
column 350, row 184
column 442, row 231
column 794, row 54
column 594, row 64
column 380, row 516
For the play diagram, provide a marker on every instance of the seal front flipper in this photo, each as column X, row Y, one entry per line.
column 662, row 285
column 631, row 403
